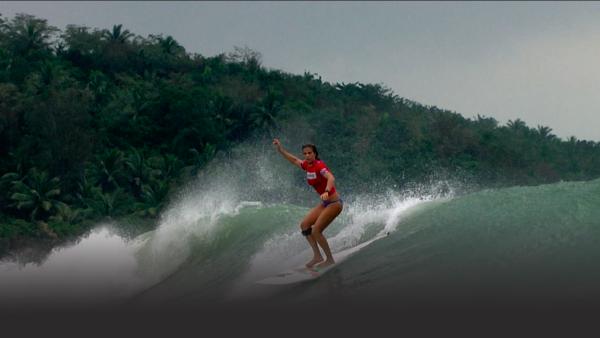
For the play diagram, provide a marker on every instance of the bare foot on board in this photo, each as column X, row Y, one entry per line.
column 314, row 261
column 325, row 264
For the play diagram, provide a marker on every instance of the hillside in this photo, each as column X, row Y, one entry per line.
column 98, row 124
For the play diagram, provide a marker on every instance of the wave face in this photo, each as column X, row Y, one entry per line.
column 522, row 245
column 256, row 241
column 239, row 223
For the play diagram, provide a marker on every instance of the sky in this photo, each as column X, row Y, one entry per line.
column 537, row 61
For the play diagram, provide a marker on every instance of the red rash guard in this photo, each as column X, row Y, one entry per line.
column 315, row 176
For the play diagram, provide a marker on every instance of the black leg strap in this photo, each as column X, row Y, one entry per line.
column 306, row 232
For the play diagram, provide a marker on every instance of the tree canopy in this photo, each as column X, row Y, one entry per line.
column 105, row 123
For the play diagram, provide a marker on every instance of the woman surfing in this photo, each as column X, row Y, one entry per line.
column 319, row 217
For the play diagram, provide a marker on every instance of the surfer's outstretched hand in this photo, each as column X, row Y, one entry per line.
column 276, row 142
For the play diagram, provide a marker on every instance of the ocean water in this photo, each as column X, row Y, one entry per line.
column 535, row 245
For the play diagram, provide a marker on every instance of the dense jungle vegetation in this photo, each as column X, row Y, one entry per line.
column 102, row 123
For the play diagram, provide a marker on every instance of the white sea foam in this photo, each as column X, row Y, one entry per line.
column 365, row 218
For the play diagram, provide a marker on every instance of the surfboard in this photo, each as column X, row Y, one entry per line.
column 301, row 274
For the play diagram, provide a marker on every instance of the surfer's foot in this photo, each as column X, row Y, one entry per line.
column 325, row 264
column 314, row 261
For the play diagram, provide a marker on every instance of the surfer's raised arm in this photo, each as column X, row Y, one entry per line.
column 293, row 159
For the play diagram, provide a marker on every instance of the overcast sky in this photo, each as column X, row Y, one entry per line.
column 537, row 61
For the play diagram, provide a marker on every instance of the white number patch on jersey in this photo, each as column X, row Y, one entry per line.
column 311, row 175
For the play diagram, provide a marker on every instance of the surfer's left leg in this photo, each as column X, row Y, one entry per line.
column 325, row 218
column 305, row 227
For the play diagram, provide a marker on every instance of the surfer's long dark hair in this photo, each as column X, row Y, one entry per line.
column 314, row 149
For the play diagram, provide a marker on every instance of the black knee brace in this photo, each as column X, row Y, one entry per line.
column 306, row 232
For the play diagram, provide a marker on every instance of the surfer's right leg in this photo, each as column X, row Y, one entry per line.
column 305, row 226
column 325, row 218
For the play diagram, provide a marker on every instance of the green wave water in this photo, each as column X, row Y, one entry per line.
column 522, row 245
column 529, row 244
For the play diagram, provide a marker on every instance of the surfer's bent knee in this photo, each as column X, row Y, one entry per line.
column 304, row 225
column 305, row 228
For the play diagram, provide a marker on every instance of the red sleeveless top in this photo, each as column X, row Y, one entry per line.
column 315, row 176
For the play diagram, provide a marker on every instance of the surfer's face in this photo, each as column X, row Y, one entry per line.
column 309, row 154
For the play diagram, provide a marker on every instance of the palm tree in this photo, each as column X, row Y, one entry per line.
column 170, row 46
column 167, row 166
column 138, row 171
column 27, row 41
column 544, row 132
column 85, row 189
column 37, row 193
column 154, row 197
column 117, row 35
column 114, row 55
column 6, row 182
column 109, row 170
column 517, row 124
column 110, row 203
column 64, row 213
column 28, row 35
